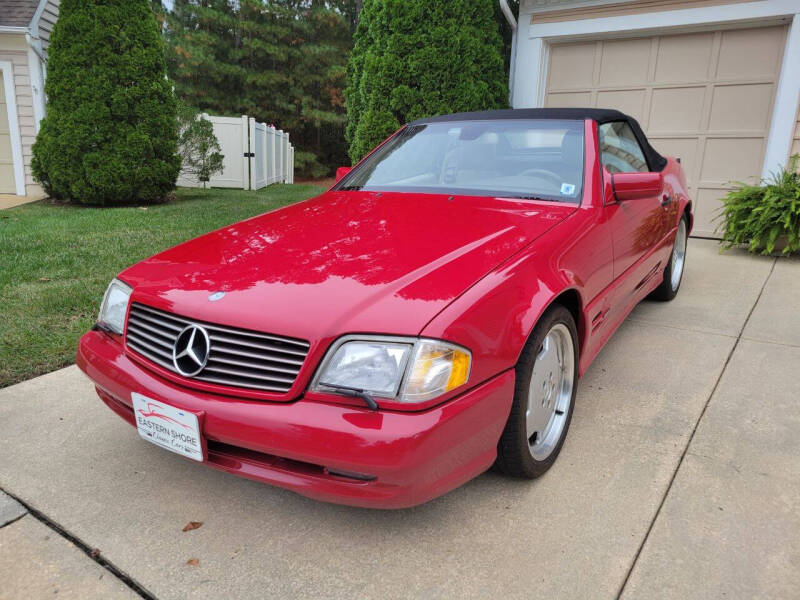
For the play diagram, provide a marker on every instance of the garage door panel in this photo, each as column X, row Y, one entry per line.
column 569, row 99
column 683, row 148
column 741, row 107
column 678, row 109
column 684, row 58
column 730, row 159
column 750, row 53
column 628, row 101
column 706, row 97
column 625, row 62
column 707, row 206
column 572, row 66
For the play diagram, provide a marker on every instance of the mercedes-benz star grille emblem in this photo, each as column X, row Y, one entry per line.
column 190, row 352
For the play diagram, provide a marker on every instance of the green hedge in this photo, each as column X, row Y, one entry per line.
column 110, row 133
column 417, row 58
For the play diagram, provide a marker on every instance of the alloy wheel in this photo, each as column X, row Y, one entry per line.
column 550, row 392
column 678, row 255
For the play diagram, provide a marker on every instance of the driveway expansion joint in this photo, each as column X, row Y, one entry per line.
column 14, row 520
column 653, row 323
column 694, row 431
column 11, row 511
column 93, row 553
column 748, row 338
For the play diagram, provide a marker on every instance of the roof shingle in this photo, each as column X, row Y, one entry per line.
column 17, row 13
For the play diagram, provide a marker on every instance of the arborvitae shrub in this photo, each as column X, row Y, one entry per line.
column 110, row 133
column 417, row 58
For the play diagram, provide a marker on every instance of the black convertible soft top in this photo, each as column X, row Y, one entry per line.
column 655, row 161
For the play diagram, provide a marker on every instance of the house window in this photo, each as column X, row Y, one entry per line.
column 620, row 150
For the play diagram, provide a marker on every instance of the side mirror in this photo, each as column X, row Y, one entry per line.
column 342, row 171
column 634, row 186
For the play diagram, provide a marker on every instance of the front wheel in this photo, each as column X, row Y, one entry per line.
column 673, row 272
column 546, row 384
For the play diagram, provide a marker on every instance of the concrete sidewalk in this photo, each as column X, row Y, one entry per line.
column 11, row 200
column 680, row 478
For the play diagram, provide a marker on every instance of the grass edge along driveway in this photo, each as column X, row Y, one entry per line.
column 56, row 261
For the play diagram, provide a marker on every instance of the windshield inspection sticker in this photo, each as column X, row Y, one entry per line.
column 567, row 189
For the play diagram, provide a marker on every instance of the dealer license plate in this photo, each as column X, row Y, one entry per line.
column 169, row 427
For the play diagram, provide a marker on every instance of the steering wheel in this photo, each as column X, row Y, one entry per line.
column 545, row 174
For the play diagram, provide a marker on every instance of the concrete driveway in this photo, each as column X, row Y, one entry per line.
column 680, row 478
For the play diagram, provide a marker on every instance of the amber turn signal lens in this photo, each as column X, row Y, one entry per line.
column 437, row 367
column 459, row 371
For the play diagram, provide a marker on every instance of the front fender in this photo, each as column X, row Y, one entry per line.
column 495, row 317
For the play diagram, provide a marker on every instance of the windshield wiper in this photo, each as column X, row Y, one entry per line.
column 353, row 392
column 349, row 188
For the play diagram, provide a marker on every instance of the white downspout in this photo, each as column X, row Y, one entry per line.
column 512, row 22
column 36, row 64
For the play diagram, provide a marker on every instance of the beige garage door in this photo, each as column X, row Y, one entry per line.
column 704, row 97
column 7, row 185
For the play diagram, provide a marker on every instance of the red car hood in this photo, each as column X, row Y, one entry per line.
column 342, row 262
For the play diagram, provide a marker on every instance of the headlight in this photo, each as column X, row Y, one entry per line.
column 408, row 370
column 115, row 305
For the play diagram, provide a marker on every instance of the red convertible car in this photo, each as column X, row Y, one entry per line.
column 427, row 317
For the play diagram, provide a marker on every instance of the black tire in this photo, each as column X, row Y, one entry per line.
column 667, row 291
column 514, row 455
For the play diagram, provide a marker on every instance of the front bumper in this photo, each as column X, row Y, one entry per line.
column 412, row 457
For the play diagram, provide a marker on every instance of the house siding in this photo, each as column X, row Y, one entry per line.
column 47, row 21
column 544, row 13
column 13, row 49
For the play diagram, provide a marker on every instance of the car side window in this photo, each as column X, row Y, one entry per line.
column 620, row 150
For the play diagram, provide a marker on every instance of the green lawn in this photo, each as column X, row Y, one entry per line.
column 56, row 261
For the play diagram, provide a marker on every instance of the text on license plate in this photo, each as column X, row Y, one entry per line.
column 169, row 427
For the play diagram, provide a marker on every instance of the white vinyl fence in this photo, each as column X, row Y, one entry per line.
column 255, row 155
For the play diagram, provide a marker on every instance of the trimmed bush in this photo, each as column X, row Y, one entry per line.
column 417, row 58
column 110, row 134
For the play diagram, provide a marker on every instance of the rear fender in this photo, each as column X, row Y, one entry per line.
column 674, row 175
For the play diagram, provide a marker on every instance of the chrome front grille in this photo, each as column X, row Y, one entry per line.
column 237, row 357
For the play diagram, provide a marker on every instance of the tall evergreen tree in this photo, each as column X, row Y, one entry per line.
column 203, row 43
column 281, row 62
column 416, row 58
column 110, row 134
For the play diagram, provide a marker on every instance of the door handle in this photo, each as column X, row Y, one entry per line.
column 666, row 199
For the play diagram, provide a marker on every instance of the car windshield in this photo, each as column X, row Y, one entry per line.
column 536, row 159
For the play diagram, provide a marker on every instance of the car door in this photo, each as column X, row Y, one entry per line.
column 636, row 225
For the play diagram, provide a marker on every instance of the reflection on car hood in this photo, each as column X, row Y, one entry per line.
column 342, row 262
